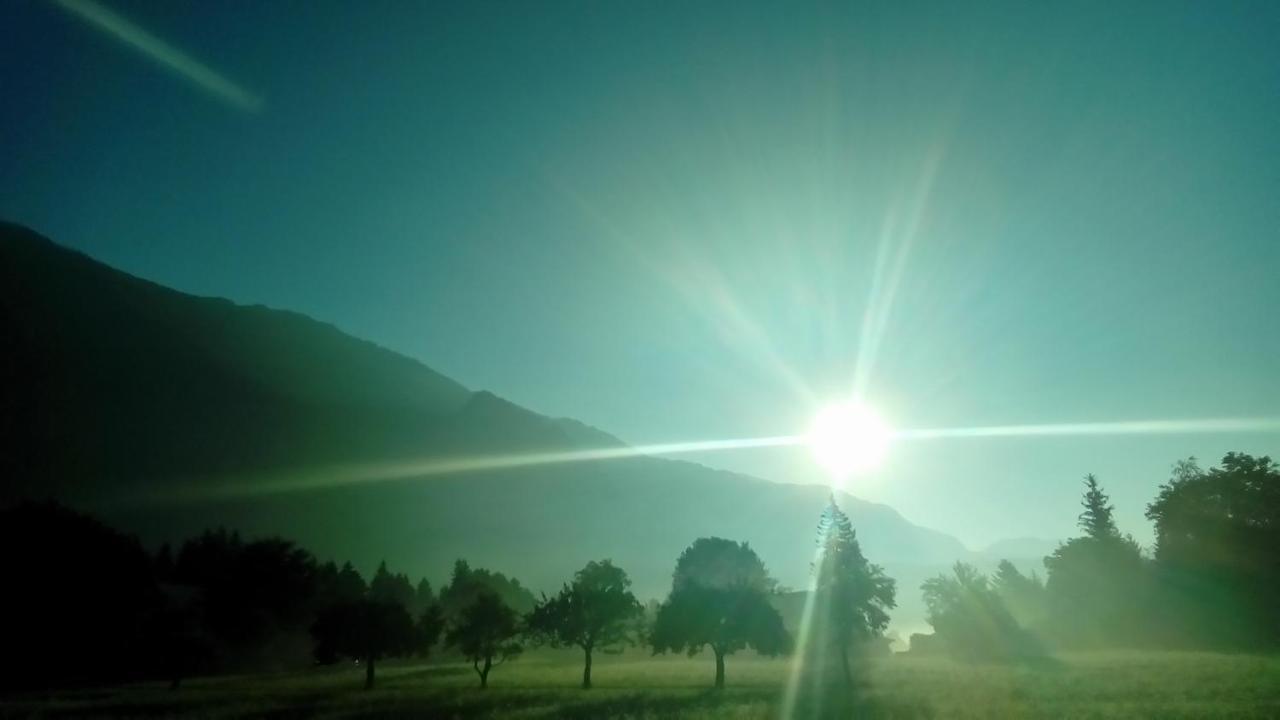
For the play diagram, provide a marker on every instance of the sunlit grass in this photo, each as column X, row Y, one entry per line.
column 543, row 685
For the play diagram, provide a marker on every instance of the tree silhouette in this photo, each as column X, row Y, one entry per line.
column 1024, row 596
column 467, row 583
column 75, row 591
column 256, row 597
column 859, row 593
column 1096, row 520
column 366, row 630
column 719, row 599
column 1216, row 537
column 430, row 625
column 393, row 588
column 424, row 596
column 596, row 610
column 336, row 585
column 485, row 632
column 1097, row 586
column 970, row 618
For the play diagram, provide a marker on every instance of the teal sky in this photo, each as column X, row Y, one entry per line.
column 663, row 218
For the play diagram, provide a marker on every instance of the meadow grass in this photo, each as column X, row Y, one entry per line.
column 634, row 685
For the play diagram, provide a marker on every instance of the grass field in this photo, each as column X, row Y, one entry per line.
column 543, row 685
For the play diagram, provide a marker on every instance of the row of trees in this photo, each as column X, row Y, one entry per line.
column 222, row 604
column 1211, row 581
column 721, row 600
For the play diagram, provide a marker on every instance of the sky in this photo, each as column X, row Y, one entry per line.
column 694, row 221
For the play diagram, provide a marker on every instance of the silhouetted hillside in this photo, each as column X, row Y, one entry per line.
column 116, row 387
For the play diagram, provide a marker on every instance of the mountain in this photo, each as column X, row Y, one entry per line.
column 1022, row 548
column 167, row 413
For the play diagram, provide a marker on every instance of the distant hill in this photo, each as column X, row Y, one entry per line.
column 1023, row 548
column 116, row 387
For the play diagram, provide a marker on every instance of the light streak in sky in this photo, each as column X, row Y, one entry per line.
column 164, row 54
column 344, row 475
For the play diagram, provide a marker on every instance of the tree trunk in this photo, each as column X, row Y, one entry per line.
column 368, row 673
column 586, row 669
column 484, row 673
column 175, row 682
column 719, row 669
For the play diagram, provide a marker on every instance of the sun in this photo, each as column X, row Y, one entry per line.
column 848, row 439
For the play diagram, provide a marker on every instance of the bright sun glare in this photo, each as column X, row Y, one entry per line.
column 848, row 439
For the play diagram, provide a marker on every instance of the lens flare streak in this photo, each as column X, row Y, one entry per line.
column 164, row 54
column 304, row 479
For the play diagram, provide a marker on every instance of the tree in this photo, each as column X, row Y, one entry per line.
column 467, row 583
column 719, row 599
column 485, row 632
column 1097, row 587
column 971, row 620
column 366, row 630
column 393, row 588
column 430, row 625
column 75, row 594
column 1216, row 537
column 257, row 597
column 859, row 593
column 1023, row 595
column 338, row 585
column 1096, row 520
column 596, row 610
column 424, row 596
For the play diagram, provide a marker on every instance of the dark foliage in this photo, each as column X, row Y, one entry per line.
column 467, row 583
column 486, row 632
column 366, row 630
column 1099, row 585
column 596, row 610
column 858, row 595
column 78, row 602
column 1217, row 535
column 971, row 620
column 256, row 598
column 719, row 599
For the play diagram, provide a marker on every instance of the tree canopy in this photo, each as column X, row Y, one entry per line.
column 1217, row 532
column 859, row 594
column 367, row 630
column 485, row 633
column 719, row 599
column 596, row 610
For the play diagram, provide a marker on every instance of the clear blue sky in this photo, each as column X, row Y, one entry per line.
column 663, row 218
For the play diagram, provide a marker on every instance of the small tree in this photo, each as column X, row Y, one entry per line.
column 860, row 593
column 367, row 630
column 430, row 626
column 719, row 598
column 486, row 634
column 596, row 610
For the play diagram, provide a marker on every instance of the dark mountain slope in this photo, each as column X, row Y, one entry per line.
column 115, row 387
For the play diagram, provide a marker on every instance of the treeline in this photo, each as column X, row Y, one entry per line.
column 1211, row 581
column 92, row 605
column 87, row 604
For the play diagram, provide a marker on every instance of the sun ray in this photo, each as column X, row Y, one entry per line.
column 164, row 54
column 1128, row 427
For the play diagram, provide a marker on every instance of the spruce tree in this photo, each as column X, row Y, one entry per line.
column 1096, row 520
column 860, row 593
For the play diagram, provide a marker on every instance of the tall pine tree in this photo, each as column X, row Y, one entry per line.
column 859, row 593
column 1096, row 520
